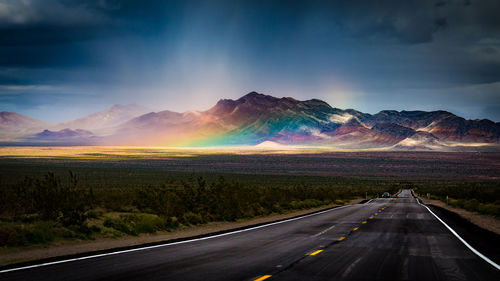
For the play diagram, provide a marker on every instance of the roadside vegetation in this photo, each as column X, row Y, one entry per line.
column 50, row 208
column 482, row 197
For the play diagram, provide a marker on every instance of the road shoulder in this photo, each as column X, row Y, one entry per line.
column 483, row 221
column 485, row 241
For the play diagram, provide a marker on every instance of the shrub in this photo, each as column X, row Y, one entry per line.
column 51, row 199
column 171, row 222
column 40, row 232
column 489, row 209
column 11, row 235
column 120, row 224
column 191, row 218
column 147, row 223
column 134, row 224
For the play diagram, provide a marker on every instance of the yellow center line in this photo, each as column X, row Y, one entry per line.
column 341, row 238
column 376, row 214
column 262, row 278
column 356, row 228
column 315, row 253
column 364, row 222
column 370, row 217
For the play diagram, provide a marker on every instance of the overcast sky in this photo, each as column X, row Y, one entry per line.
column 61, row 60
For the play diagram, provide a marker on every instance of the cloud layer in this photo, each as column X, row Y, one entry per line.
column 83, row 55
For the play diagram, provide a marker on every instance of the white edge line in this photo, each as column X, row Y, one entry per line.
column 169, row 244
column 369, row 201
column 485, row 258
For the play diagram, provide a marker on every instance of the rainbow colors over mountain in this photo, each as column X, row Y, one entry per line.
column 257, row 119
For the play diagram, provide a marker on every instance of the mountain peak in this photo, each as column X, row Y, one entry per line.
column 254, row 93
column 117, row 107
column 256, row 96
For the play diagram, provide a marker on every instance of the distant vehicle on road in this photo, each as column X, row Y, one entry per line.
column 386, row 195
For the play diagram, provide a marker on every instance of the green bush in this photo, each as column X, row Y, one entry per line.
column 120, row 224
column 171, row 222
column 489, row 209
column 134, row 224
column 474, row 205
column 191, row 218
column 148, row 223
column 306, row 204
column 11, row 235
column 40, row 232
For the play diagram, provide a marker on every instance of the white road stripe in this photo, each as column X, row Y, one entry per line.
column 322, row 232
column 461, row 239
column 169, row 244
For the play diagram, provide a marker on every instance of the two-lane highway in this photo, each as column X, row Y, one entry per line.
column 387, row 239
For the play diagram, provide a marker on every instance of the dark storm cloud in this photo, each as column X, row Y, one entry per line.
column 49, row 12
column 34, row 22
column 417, row 21
column 47, row 35
column 190, row 53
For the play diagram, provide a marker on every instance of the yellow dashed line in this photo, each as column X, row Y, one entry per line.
column 376, row 214
column 315, row 253
column 370, row 217
column 262, row 278
column 341, row 238
column 356, row 228
column 364, row 222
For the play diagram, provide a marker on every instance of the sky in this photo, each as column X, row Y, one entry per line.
column 60, row 60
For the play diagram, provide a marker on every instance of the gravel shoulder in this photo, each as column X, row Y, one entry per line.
column 483, row 221
column 9, row 256
column 485, row 241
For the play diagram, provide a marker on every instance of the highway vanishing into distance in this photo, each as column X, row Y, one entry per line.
column 384, row 239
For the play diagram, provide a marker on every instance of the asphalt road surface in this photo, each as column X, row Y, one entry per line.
column 385, row 239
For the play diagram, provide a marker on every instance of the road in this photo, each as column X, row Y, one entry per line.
column 385, row 239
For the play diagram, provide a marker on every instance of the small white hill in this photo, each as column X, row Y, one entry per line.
column 269, row 144
column 420, row 141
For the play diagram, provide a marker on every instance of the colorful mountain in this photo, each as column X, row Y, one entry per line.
column 262, row 119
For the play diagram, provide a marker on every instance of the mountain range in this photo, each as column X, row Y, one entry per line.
column 260, row 120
